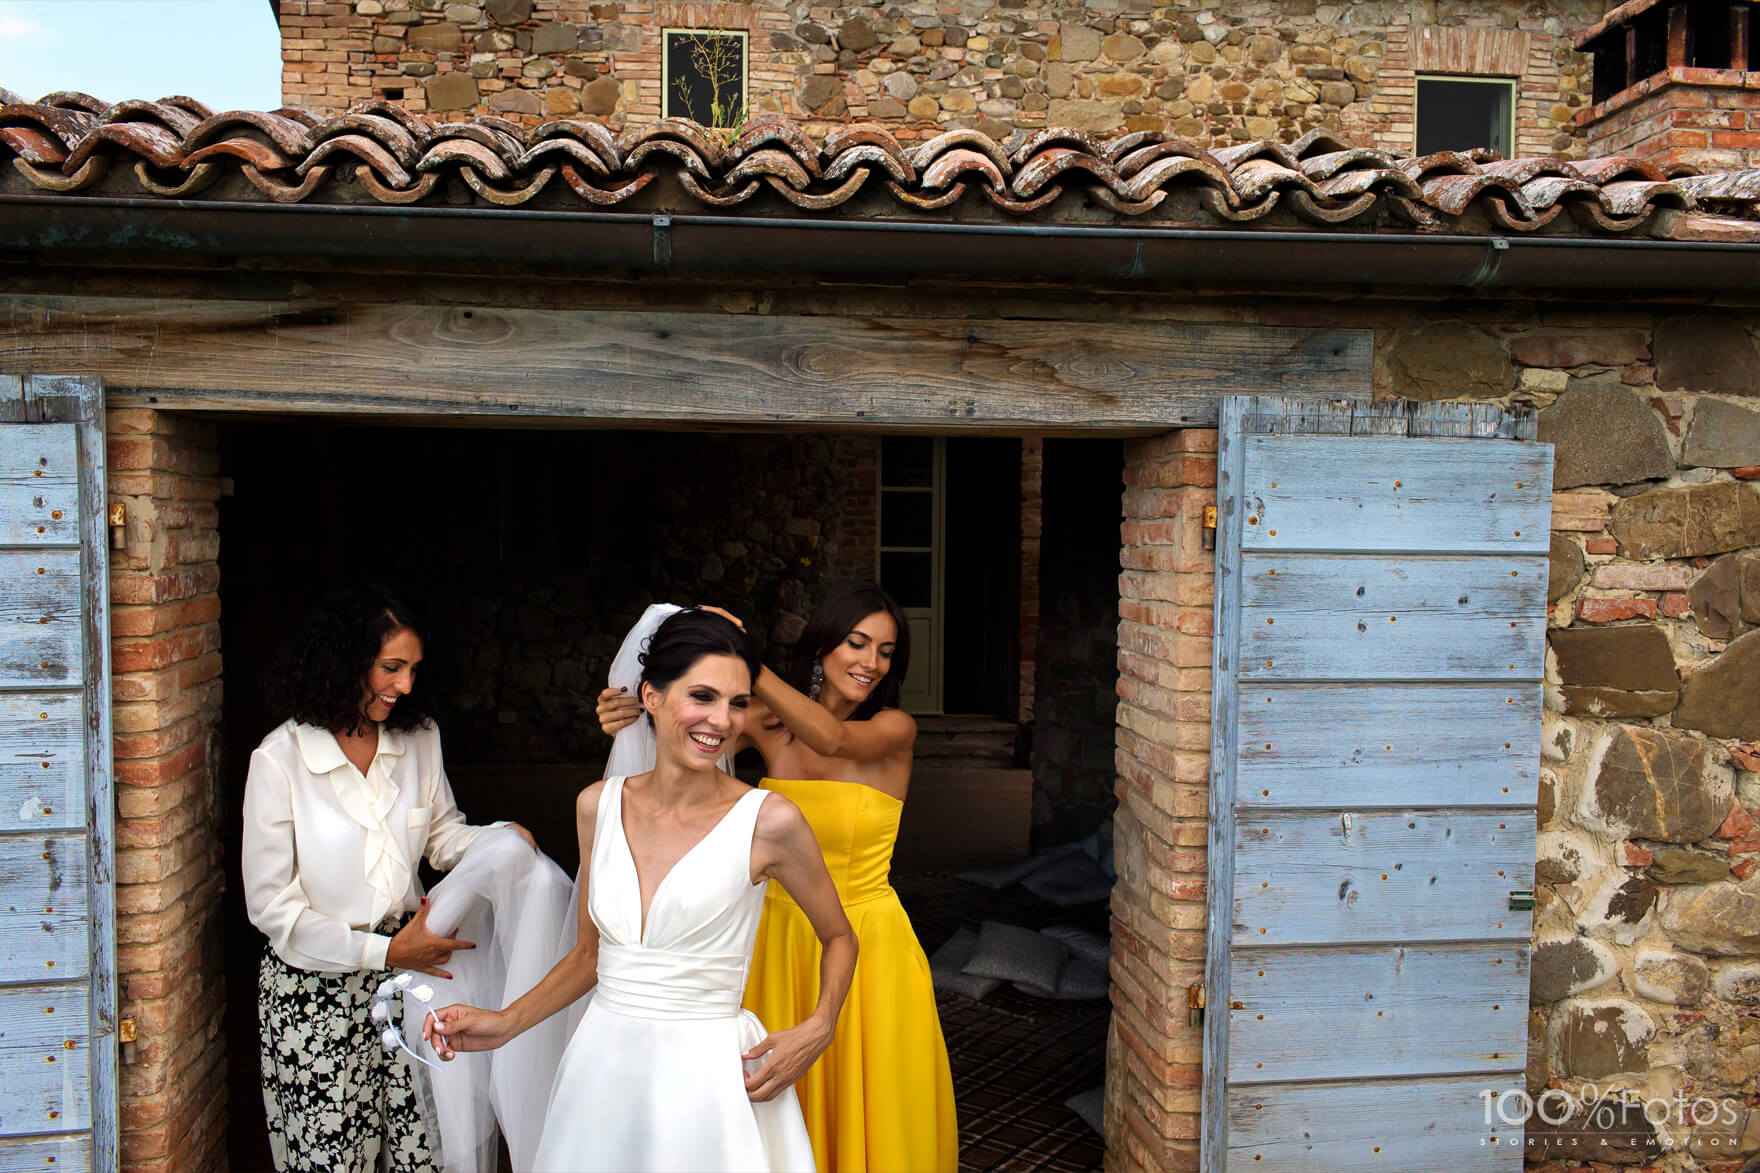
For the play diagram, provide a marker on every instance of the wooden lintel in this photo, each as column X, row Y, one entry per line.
column 672, row 369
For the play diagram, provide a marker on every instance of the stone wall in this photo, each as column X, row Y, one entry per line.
column 1162, row 825
column 1221, row 73
column 165, row 630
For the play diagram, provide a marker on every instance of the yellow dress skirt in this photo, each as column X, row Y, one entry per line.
column 880, row 1099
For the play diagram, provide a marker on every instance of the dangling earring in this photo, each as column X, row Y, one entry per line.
column 816, row 682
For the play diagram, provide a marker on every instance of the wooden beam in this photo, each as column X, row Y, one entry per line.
column 1680, row 38
column 695, row 370
column 1632, row 77
column 1739, row 30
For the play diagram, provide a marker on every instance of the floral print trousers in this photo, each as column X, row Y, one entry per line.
column 337, row 1101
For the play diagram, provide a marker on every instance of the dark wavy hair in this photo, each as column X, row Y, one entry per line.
column 846, row 605
column 324, row 663
column 685, row 637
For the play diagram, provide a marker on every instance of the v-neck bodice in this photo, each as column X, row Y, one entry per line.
column 690, row 960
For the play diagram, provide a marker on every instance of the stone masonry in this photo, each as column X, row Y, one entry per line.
column 1165, row 588
column 165, row 630
column 1269, row 69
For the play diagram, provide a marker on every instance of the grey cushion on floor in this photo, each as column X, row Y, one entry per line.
column 1088, row 946
column 1091, row 1107
column 1013, row 954
column 947, row 965
column 1070, row 880
column 1079, row 980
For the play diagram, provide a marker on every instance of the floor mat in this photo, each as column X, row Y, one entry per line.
column 1015, row 1058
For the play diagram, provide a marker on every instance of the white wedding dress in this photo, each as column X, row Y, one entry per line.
column 652, row 1079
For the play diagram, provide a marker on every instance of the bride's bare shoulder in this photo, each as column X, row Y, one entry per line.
column 779, row 819
column 586, row 804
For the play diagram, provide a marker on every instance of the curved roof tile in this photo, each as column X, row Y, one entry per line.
column 175, row 146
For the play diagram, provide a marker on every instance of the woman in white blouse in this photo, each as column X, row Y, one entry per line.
column 343, row 800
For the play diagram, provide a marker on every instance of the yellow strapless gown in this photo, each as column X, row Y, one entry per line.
column 880, row 1099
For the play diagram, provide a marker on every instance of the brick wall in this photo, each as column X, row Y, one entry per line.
column 1254, row 69
column 1162, row 824
column 1706, row 117
column 165, row 613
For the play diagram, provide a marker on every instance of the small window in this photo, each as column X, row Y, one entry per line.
column 705, row 75
column 1461, row 113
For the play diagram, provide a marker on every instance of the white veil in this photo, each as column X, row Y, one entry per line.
column 520, row 909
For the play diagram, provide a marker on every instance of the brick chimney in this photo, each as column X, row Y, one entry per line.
column 1676, row 82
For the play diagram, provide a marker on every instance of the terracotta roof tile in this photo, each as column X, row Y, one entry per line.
column 71, row 143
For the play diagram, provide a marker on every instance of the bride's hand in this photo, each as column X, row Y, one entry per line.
column 787, row 1054
column 465, row 1028
column 616, row 709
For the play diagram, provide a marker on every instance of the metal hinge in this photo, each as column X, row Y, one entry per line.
column 118, row 520
column 1195, row 995
column 1521, row 901
column 125, row 1032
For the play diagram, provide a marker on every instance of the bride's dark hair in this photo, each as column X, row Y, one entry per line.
column 686, row 637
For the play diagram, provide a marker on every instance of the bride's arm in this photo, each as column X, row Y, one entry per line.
column 470, row 1028
column 787, row 852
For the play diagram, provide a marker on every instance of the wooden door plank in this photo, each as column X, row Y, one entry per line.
column 40, row 638
column 44, row 918
column 47, row 1154
column 1387, row 876
column 42, row 762
column 39, row 486
column 692, row 368
column 1352, row 746
column 1405, row 1011
column 1392, row 617
column 1363, row 494
column 1224, row 740
column 44, row 1057
column 1302, row 1128
column 78, row 400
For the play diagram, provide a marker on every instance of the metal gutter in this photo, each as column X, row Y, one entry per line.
column 63, row 229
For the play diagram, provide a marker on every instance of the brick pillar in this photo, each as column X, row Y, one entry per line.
column 165, row 633
column 1032, row 529
column 1162, row 824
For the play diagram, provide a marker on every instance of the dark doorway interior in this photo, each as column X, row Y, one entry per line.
column 982, row 567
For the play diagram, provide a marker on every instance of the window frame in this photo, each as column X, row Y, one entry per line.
column 667, row 98
column 1512, row 84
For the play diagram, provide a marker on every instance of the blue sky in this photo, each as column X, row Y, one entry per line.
column 222, row 52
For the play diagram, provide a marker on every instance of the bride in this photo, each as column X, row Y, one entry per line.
column 653, row 1077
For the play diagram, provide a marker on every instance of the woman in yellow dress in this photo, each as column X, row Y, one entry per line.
column 834, row 742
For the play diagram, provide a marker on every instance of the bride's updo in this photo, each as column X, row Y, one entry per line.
column 686, row 637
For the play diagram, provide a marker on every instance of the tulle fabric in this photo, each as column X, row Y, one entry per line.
column 517, row 906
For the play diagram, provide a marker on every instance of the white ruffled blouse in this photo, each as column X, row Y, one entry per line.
column 329, row 852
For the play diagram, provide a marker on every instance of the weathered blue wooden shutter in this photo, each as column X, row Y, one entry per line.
column 57, row 901
column 1380, row 624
